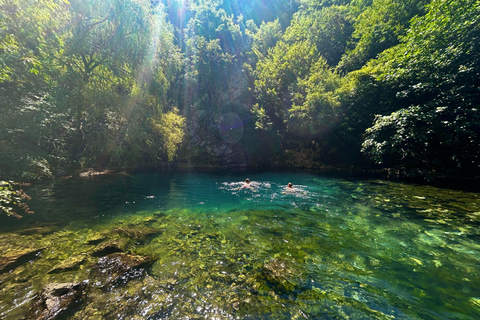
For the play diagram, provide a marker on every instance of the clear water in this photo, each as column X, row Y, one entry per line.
column 336, row 248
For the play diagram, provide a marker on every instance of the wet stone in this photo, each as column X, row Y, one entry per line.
column 70, row 264
column 106, row 248
column 43, row 230
column 138, row 233
column 56, row 298
column 279, row 273
column 17, row 258
column 118, row 268
column 95, row 239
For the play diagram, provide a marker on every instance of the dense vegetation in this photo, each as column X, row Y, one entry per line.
column 142, row 83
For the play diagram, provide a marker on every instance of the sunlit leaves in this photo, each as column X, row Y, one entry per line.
column 329, row 29
column 171, row 128
column 315, row 103
column 435, row 73
column 12, row 199
column 264, row 37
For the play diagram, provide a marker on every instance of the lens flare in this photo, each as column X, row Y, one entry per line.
column 230, row 127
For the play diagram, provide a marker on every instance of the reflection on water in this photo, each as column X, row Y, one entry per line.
column 196, row 246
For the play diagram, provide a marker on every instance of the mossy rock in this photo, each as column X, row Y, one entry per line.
column 95, row 239
column 70, row 264
column 120, row 266
column 109, row 247
column 15, row 258
column 279, row 274
column 134, row 232
column 42, row 230
column 56, row 298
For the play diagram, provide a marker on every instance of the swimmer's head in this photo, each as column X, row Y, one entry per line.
column 290, row 185
column 247, row 180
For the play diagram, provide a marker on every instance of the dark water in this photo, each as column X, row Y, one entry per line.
column 336, row 248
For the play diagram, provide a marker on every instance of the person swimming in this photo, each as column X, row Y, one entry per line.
column 246, row 184
column 289, row 188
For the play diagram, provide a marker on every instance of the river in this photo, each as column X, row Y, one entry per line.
column 199, row 247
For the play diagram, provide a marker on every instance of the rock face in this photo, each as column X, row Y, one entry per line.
column 56, row 298
column 216, row 123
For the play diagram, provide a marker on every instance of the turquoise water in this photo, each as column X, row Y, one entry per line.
column 336, row 248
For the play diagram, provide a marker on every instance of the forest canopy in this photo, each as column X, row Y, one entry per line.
column 308, row 83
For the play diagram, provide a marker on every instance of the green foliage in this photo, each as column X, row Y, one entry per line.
column 426, row 136
column 314, row 108
column 11, row 199
column 294, row 84
column 434, row 73
column 90, row 83
column 277, row 81
column 264, row 37
column 212, row 39
column 171, row 129
column 379, row 27
column 102, row 69
column 329, row 28
column 25, row 37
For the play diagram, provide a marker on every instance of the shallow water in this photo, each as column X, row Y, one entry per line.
column 336, row 248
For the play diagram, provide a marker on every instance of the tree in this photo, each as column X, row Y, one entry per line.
column 29, row 42
column 377, row 28
column 12, row 199
column 434, row 72
column 264, row 37
column 100, row 71
column 329, row 28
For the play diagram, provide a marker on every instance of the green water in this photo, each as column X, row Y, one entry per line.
column 337, row 248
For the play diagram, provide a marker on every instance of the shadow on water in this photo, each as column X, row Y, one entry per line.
column 194, row 245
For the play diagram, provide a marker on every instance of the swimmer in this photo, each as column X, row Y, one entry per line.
column 289, row 188
column 246, row 184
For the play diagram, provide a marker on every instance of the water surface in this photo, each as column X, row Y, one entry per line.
column 336, row 248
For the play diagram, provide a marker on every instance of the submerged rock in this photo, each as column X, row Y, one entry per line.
column 109, row 247
column 95, row 239
column 14, row 259
column 70, row 264
column 135, row 232
column 279, row 274
column 120, row 266
column 55, row 298
column 43, row 230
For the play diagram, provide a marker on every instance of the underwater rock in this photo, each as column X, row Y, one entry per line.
column 56, row 298
column 278, row 273
column 138, row 299
column 120, row 266
column 70, row 264
column 277, row 268
column 135, row 232
column 43, row 230
column 94, row 239
column 106, row 248
column 17, row 258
